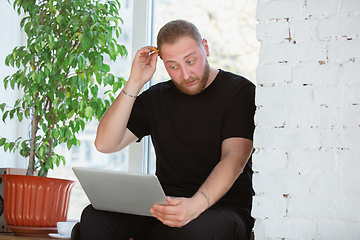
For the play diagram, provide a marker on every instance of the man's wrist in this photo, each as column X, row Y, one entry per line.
column 132, row 96
column 131, row 88
column 206, row 197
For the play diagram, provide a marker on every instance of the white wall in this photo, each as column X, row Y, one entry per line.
column 308, row 120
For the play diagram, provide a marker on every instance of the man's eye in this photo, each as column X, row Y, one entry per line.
column 174, row 67
column 191, row 62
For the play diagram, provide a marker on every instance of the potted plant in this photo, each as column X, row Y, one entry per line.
column 61, row 72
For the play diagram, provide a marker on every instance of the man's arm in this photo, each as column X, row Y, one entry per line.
column 112, row 134
column 235, row 154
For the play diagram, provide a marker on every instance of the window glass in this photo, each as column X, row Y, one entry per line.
column 227, row 25
column 86, row 154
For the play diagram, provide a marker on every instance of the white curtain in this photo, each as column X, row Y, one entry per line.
column 11, row 36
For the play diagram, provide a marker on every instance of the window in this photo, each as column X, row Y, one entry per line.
column 228, row 25
column 86, row 155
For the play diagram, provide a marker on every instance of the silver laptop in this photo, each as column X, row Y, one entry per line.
column 122, row 192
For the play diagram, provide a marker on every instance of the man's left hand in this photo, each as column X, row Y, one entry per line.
column 179, row 212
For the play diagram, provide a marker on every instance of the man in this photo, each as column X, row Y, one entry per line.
column 201, row 125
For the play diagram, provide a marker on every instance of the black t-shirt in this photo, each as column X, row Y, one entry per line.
column 187, row 132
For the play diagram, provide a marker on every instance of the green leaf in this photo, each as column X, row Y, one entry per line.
column 63, row 159
column 2, row 141
column 106, row 68
column 88, row 112
column 81, row 62
column 38, row 78
column 82, row 123
column 56, row 160
column 20, row 116
column 2, row 106
column 42, row 151
column 59, row 18
column 69, row 144
column 42, row 170
column 71, row 113
column 48, row 65
column 6, row 146
column 75, row 35
column 49, row 164
column 5, row 114
column 94, row 90
column 86, row 42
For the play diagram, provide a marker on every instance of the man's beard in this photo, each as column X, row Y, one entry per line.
column 200, row 85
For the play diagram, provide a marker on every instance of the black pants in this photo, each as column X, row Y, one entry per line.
column 216, row 223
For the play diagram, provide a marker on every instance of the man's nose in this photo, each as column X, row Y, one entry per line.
column 186, row 73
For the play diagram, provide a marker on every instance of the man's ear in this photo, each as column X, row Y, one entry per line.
column 206, row 47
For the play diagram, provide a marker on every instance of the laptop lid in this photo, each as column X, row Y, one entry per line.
column 122, row 192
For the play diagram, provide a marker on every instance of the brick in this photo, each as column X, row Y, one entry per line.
column 269, row 161
column 315, row 116
column 350, row 115
column 342, row 26
column 333, row 229
column 332, row 137
column 350, row 94
column 311, row 207
column 344, row 50
column 274, row 31
column 279, row 52
column 288, row 228
column 324, row 161
column 264, row 138
column 270, row 138
column 326, row 185
column 304, row 30
column 272, row 116
column 273, row 73
column 309, row 52
column 351, row 137
column 316, row 74
column 278, row 9
column 288, row 138
column 300, row 52
column 351, row 72
column 349, row 6
column 321, row 7
column 348, row 209
column 328, row 95
column 282, row 183
column 279, row 95
column 348, row 189
column 269, row 206
column 349, row 163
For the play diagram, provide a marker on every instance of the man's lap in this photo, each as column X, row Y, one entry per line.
column 215, row 223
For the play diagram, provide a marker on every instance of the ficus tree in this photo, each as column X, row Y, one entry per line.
column 60, row 72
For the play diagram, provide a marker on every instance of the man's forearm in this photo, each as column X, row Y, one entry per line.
column 226, row 172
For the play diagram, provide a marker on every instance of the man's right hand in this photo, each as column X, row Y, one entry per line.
column 143, row 66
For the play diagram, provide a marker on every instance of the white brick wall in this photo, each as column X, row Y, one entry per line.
column 307, row 135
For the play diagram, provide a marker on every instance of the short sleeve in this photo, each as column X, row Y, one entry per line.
column 239, row 117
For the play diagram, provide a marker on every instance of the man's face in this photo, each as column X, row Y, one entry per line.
column 186, row 63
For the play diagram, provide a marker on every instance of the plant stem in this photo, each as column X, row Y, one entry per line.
column 34, row 123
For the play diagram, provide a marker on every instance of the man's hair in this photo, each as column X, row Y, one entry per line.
column 176, row 29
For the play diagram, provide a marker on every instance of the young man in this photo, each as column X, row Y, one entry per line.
column 201, row 124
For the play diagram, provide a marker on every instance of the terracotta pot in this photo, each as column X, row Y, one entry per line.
column 35, row 201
